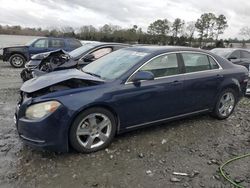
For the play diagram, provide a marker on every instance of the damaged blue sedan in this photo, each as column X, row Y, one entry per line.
column 125, row 90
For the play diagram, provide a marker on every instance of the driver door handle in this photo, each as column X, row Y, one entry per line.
column 176, row 83
column 219, row 76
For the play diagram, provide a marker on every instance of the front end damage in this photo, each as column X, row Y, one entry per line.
column 51, row 131
column 47, row 62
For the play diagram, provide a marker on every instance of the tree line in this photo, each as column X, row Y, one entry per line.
column 205, row 30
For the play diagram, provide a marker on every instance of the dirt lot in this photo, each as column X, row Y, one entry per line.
column 143, row 158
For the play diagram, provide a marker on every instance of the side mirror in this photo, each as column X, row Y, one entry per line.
column 142, row 75
column 232, row 58
column 89, row 58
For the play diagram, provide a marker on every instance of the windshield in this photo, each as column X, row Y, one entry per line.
column 30, row 42
column 113, row 65
column 222, row 52
column 79, row 51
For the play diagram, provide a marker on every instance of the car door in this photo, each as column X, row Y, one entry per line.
column 56, row 44
column 156, row 99
column 39, row 46
column 245, row 59
column 202, row 80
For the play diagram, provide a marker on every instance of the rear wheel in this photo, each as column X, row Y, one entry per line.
column 17, row 61
column 92, row 130
column 225, row 104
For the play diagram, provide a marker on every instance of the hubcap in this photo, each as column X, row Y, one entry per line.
column 94, row 130
column 18, row 61
column 226, row 105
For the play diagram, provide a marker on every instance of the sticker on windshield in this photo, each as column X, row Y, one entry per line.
column 141, row 54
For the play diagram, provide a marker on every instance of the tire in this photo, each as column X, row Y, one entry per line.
column 88, row 132
column 17, row 60
column 228, row 98
column 26, row 75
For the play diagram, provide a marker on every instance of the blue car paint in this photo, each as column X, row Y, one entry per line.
column 132, row 104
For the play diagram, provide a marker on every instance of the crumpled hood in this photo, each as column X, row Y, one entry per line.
column 52, row 78
column 42, row 56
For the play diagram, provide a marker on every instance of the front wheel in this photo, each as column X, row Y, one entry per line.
column 225, row 104
column 92, row 130
column 17, row 61
column 26, row 74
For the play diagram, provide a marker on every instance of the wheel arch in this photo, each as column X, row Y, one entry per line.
column 97, row 105
column 232, row 84
column 228, row 84
column 18, row 53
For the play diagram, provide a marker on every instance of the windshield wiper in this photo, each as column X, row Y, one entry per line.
column 93, row 74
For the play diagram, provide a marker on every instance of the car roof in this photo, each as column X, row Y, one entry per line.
column 65, row 38
column 164, row 49
column 110, row 43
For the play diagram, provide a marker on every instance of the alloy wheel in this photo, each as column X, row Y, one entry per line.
column 227, row 103
column 17, row 61
column 94, row 130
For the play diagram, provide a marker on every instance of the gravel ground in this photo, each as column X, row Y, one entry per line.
column 144, row 158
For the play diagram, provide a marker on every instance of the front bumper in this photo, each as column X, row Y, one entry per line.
column 49, row 133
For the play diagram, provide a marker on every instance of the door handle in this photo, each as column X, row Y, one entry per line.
column 176, row 83
column 219, row 76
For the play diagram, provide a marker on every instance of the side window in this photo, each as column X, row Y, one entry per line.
column 245, row 54
column 101, row 52
column 195, row 62
column 56, row 43
column 165, row 65
column 213, row 64
column 41, row 43
column 235, row 54
column 74, row 43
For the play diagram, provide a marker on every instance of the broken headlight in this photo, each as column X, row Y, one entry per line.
column 39, row 110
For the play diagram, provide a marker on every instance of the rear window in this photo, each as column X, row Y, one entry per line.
column 235, row 54
column 74, row 44
column 195, row 62
column 245, row 54
column 56, row 43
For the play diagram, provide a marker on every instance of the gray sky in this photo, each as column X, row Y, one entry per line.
column 75, row 13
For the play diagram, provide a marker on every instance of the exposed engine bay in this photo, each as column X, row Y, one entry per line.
column 65, row 85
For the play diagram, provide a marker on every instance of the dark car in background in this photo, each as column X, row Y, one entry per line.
column 60, row 59
column 237, row 56
column 125, row 90
column 17, row 56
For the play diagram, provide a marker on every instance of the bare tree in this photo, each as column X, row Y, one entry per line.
column 220, row 25
column 190, row 30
